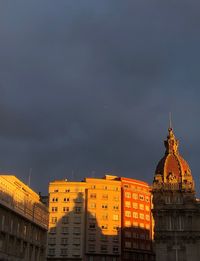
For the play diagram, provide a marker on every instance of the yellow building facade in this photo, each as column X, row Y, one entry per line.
column 23, row 222
column 103, row 221
column 67, row 220
column 87, row 219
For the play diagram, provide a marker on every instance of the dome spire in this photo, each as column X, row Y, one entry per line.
column 170, row 120
column 171, row 144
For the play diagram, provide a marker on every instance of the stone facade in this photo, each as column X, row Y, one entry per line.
column 176, row 210
column 23, row 222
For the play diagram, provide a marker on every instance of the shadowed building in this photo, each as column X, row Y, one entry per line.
column 23, row 222
column 176, row 210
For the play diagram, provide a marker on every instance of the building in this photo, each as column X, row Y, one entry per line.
column 23, row 222
column 66, row 220
column 87, row 219
column 176, row 210
column 103, row 222
column 136, row 220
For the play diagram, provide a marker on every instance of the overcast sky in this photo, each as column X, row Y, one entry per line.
column 86, row 87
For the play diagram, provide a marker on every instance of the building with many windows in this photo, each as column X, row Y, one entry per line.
column 89, row 219
column 136, row 220
column 103, row 219
column 176, row 209
column 23, row 222
column 67, row 204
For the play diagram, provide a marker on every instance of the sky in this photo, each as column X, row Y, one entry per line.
column 86, row 87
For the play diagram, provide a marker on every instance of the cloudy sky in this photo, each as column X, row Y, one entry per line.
column 86, row 87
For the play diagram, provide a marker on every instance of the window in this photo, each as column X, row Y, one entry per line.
column 92, row 205
column 135, row 196
column 104, row 238
column 147, row 199
column 135, row 224
column 127, row 194
column 104, row 227
column 116, row 198
column 147, row 217
column 65, row 209
column 53, row 220
column 127, row 234
column 104, row 248
column 105, row 196
column 115, row 207
column 52, row 230
column 127, row 223
column 93, row 195
column 127, row 213
column 55, row 199
column 115, row 249
column 66, row 199
column 147, row 226
column 67, row 190
column 92, row 237
column 76, row 230
column 91, row 248
column 51, row 252
column 115, row 227
column 127, row 244
column 141, row 216
column 65, row 220
column 92, row 215
column 63, row 252
column 115, row 239
column 76, row 241
column 142, row 225
column 142, row 236
column 142, row 197
column 105, row 187
column 147, row 208
column 127, row 204
column 115, row 217
column 135, row 214
column 142, row 206
column 64, row 241
column 77, row 209
column 135, row 205
column 77, row 220
column 55, row 190
column 52, row 241
column 92, row 226
column 54, row 209
column 105, row 206
column 105, row 216
column 64, row 230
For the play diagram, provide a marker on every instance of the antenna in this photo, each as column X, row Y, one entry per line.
column 29, row 177
column 170, row 120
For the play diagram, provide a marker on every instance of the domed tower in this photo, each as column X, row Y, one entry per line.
column 176, row 211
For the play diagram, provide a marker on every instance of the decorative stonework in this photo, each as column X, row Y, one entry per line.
column 176, row 210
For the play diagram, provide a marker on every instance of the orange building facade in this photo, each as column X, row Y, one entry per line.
column 136, row 220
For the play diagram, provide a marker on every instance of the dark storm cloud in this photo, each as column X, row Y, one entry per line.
column 86, row 86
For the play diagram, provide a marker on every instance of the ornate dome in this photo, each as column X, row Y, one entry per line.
column 172, row 168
